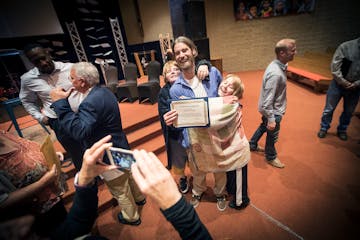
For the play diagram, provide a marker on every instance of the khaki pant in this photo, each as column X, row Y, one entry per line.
column 126, row 192
column 199, row 181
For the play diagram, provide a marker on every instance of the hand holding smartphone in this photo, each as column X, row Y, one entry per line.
column 122, row 158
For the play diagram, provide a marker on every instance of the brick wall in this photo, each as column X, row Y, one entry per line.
column 249, row 45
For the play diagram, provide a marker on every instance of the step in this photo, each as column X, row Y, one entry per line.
column 69, row 170
column 162, row 157
column 105, row 198
column 156, row 145
column 134, row 139
column 144, row 134
column 138, row 125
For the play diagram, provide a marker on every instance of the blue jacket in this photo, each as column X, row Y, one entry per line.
column 211, row 85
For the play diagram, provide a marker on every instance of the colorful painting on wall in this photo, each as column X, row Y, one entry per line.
column 258, row 9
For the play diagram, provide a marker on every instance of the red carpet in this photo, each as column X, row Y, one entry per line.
column 316, row 196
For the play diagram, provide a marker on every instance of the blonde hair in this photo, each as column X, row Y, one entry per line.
column 167, row 67
column 238, row 85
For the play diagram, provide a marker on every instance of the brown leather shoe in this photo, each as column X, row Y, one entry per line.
column 276, row 163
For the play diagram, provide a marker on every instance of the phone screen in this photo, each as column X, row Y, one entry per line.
column 121, row 157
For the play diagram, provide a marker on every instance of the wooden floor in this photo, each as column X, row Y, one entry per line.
column 316, row 196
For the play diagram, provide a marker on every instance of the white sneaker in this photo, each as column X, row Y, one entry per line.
column 221, row 203
column 195, row 200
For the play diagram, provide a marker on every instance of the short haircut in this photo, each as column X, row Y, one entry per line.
column 284, row 45
column 186, row 41
column 238, row 85
column 168, row 65
column 88, row 72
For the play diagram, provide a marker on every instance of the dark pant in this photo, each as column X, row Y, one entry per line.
column 271, row 137
column 233, row 187
column 333, row 96
column 73, row 147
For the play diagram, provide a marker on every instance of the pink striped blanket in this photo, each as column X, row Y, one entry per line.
column 223, row 146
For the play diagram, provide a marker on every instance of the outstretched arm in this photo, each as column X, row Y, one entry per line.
column 203, row 68
column 83, row 212
column 26, row 194
column 156, row 181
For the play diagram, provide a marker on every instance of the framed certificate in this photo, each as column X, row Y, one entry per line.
column 193, row 112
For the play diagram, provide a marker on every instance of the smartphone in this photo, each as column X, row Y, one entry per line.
column 122, row 158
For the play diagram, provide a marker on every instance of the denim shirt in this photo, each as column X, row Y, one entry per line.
column 182, row 88
column 272, row 100
column 211, row 85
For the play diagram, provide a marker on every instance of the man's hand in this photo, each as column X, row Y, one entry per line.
column 60, row 93
column 170, row 117
column 45, row 120
column 202, row 72
column 154, row 179
column 271, row 125
column 351, row 86
column 93, row 165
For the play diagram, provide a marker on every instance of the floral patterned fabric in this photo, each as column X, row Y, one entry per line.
column 24, row 164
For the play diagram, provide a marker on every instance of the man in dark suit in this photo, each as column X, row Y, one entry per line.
column 90, row 116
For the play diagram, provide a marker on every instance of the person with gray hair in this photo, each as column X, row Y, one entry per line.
column 272, row 101
column 90, row 116
column 88, row 71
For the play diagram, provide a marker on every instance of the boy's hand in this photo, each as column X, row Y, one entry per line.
column 170, row 117
column 202, row 72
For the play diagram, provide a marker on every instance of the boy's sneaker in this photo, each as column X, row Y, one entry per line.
column 141, row 203
column 183, row 184
column 221, row 203
column 232, row 204
column 195, row 200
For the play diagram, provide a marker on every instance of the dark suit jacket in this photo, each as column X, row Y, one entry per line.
column 81, row 216
column 98, row 116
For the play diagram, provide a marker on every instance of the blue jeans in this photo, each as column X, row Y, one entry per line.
column 271, row 137
column 333, row 96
